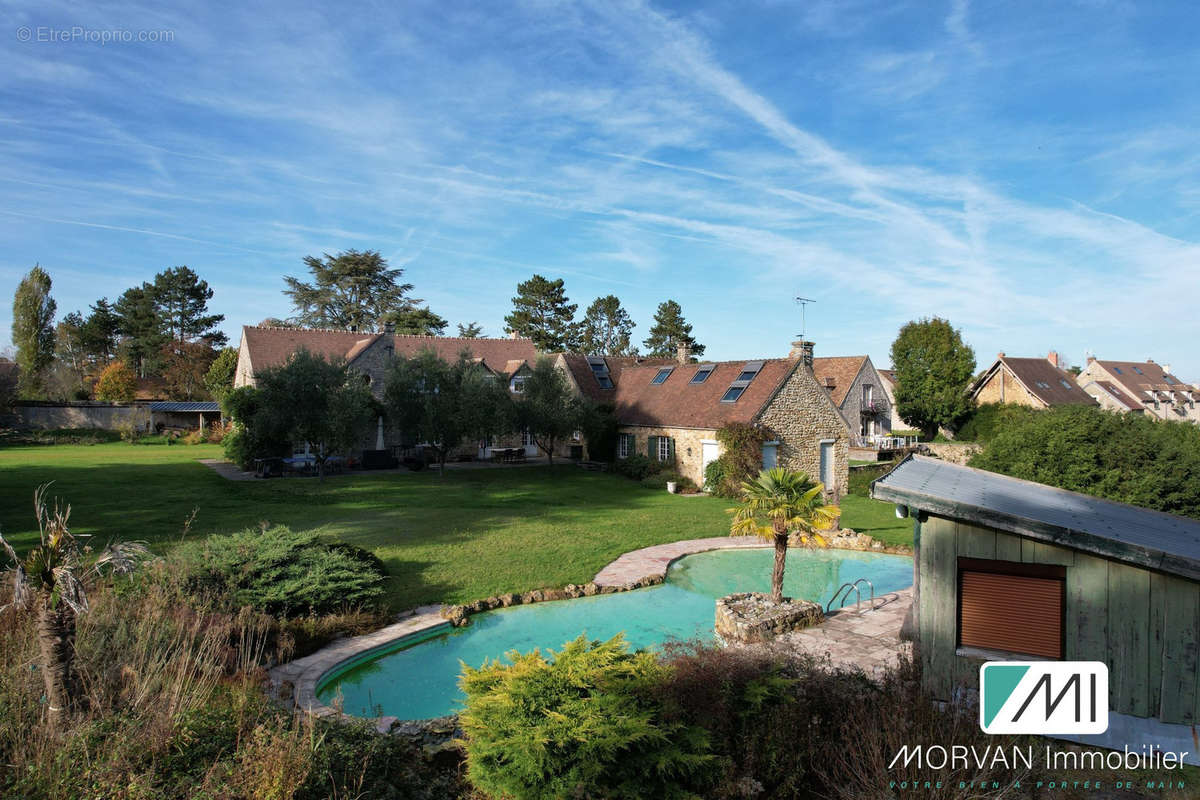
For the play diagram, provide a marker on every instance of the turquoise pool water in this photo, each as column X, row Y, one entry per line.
column 421, row 680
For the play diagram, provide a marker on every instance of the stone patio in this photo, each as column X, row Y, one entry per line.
column 870, row 640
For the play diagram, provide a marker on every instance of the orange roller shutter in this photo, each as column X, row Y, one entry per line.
column 1013, row 613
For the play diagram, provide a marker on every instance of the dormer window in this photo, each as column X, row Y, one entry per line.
column 702, row 373
column 517, row 384
column 661, row 376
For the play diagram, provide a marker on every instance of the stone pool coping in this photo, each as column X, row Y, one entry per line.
column 628, row 571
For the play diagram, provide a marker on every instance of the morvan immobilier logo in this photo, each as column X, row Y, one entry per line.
column 1043, row 697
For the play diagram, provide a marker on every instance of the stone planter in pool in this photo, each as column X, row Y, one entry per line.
column 747, row 617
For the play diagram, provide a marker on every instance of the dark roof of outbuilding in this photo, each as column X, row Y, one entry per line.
column 679, row 403
column 1138, row 536
column 182, row 407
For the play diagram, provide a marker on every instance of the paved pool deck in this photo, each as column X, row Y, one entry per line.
column 870, row 640
column 654, row 561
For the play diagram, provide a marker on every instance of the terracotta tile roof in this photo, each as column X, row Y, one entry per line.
column 1046, row 382
column 678, row 403
column 581, row 371
column 888, row 375
column 270, row 347
column 837, row 374
column 1138, row 377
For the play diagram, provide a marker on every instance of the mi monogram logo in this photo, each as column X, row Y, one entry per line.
column 1045, row 697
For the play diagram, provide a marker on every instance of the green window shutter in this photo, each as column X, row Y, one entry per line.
column 671, row 450
column 652, row 447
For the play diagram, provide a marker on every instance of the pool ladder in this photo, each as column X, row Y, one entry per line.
column 843, row 593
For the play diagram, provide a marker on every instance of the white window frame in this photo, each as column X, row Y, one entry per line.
column 664, row 448
column 527, row 438
column 868, row 394
column 517, row 384
column 623, row 445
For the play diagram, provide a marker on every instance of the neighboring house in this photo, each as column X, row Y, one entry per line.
column 1140, row 386
column 672, row 412
column 887, row 379
column 1010, row 570
column 1033, row 382
column 370, row 354
column 856, row 388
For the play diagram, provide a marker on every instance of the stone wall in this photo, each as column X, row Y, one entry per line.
column 953, row 452
column 801, row 415
column 747, row 617
column 688, row 448
column 1002, row 387
column 51, row 416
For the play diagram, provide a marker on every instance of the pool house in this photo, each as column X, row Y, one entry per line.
column 1010, row 570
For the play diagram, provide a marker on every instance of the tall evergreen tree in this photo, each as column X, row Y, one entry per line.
column 141, row 328
column 181, row 299
column 606, row 329
column 670, row 330
column 350, row 291
column 33, row 330
column 416, row 322
column 541, row 312
column 472, row 330
column 100, row 332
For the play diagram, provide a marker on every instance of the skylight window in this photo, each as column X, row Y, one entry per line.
column 1138, row 370
column 1043, row 384
column 744, row 377
column 1168, row 380
column 702, row 373
column 1118, row 370
column 600, row 372
column 1066, row 383
column 662, row 376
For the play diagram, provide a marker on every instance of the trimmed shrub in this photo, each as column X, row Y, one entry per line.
column 586, row 722
column 659, row 481
column 283, row 572
column 638, row 466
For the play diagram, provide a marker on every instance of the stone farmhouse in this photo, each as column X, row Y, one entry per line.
column 887, row 380
column 856, row 388
column 672, row 412
column 1033, row 382
column 1140, row 387
column 370, row 353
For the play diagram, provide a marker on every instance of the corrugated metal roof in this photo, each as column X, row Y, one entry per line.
column 185, row 407
column 1118, row 531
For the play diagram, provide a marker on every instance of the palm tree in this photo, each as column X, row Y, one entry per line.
column 51, row 583
column 780, row 502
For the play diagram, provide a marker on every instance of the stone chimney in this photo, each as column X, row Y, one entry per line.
column 802, row 350
column 514, row 335
column 1000, row 354
column 1052, row 357
column 683, row 352
column 1166, row 368
column 1091, row 359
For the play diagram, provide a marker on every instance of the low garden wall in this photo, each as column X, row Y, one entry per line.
column 52, row 416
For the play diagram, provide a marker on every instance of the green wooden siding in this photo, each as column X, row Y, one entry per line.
column 1144, row 625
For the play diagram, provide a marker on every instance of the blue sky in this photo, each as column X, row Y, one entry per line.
column 1028, row 170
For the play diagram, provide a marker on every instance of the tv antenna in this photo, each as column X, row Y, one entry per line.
column 803, row 301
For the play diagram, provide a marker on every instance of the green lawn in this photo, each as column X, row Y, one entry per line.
column 471, row 534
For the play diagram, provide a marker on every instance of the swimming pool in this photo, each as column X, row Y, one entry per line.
column 419, row 679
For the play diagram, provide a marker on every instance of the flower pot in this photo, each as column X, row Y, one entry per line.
column 671, row 487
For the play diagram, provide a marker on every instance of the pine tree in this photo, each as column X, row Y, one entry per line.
column 181, row 299
column 33, row 330
column 606, row 329
column 669, row 331
column 472, row 330
column 141, row 328
column 350, row 291
column 100, row 332
column 541, row 312
column 416, row 322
